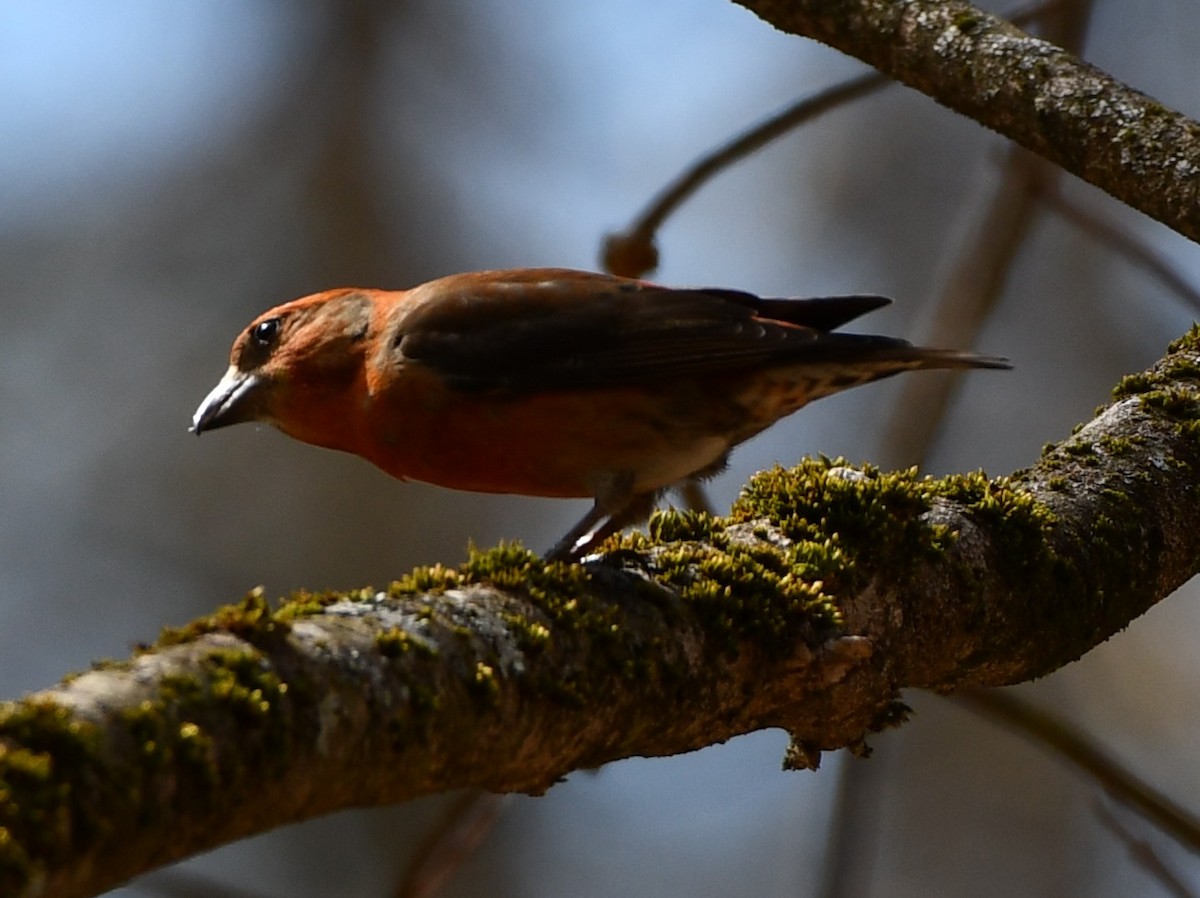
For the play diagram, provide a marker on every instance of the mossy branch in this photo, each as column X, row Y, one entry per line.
column 1029, row 90
column 827, row 590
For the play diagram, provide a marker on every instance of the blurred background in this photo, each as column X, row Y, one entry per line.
column 170, row 170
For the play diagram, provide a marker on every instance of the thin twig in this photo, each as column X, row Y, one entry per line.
column 968, row 296
column 448, row 845
column 632, row 252
column 177, row 882
column 1123, row 242
column 1086, row 755
column 1143, row 853
column 848, row 868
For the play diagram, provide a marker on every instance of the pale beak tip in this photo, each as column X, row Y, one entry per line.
column 227, row 403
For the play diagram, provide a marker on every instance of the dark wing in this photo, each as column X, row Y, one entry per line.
column 824, row 313
column 554, row 329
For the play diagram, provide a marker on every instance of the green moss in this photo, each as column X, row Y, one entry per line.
column 745, row 590
column 1017, row 521
column 1118, row 446
column 303, row 603
column 235, row 685
column 396, row 642
column 42, row 815
column 676, row 526
column 1159, row 386
column 969, row 22
column 1189, row 342
column 249, row 618
column 485, row 685
column 847, row 524
column 835, row 513
column 1174, row 401
column 61, row 783
column 434, row 579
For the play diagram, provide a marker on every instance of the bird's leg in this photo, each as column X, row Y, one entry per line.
column 691, row 491
column 564, row 549
column 616, row 508
column 635, row 511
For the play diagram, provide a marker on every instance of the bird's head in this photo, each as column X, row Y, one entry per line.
column 293, row 365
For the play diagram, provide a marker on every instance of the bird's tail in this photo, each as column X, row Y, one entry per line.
column 855, row 360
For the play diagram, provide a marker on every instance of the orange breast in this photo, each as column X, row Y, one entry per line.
column 545, row 444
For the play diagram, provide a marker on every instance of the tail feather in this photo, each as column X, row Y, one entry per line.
column 954, row 358
column 845, row 369
column 872, row 349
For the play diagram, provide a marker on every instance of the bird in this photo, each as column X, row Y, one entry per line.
column 551, row 381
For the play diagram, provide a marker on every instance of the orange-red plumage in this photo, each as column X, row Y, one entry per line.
column 549, row 382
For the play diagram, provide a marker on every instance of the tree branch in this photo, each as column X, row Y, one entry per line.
column 1028, row 89
column 827, row 591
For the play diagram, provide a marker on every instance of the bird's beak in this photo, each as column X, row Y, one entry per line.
column 231, row 401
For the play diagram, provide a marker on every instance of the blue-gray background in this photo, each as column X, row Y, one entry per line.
column 169, row 170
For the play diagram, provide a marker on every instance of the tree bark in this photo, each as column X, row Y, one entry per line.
column 827, row 590
column 1029, row 90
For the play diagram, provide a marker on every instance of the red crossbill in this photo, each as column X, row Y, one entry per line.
column 550, row 382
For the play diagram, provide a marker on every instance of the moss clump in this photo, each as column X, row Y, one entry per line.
column 396, row 642
column 837, row 513
column 432, row 579
column 969, row 22
column 251, row 617
column 1017, row 521
column 1181, row 363
column 847, row 524
column 485, row 685
column 171, row 732
column 672, row 526
column 1189, row 342
column 749, row 591
column 303, row 603
column 1161, row 387
column 562, row 591
column 43, row 817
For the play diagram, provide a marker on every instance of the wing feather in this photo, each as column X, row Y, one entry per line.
column 557, row 329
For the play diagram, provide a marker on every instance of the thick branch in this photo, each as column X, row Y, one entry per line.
column 827, row 591
column 1029, row 90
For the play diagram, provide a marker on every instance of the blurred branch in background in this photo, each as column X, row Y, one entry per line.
column 1119, row 239
column 1071, row 113
column 1086, row 756
column 465, row 824
column 1143, row 853
column 633, row 252
column 508, row 674
column 343, row 155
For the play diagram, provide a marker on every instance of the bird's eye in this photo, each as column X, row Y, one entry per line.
column 265, row 332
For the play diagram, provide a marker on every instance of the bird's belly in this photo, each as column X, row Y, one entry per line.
column 546, row 444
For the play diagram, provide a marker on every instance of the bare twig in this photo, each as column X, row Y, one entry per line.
column 977, row 277
column 1138, row 252
column 848, row 868
column 181, row 883
column 1143, row 853
column 1087, row 756
column 464, row 826
column 1038, row 94
column 632, row 252
column 826, row 592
